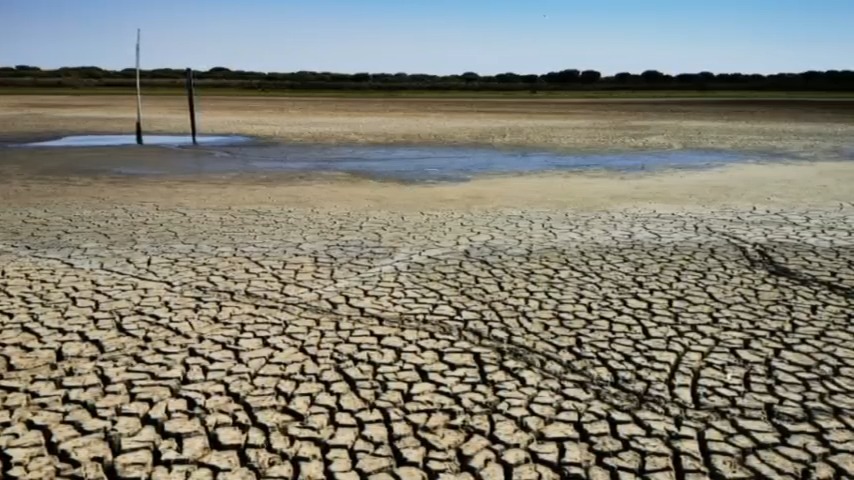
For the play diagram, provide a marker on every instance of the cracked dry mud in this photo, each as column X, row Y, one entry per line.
column 204, row 343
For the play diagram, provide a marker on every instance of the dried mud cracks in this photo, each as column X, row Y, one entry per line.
column 268, row 343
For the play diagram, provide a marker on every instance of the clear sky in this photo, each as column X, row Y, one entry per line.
column 434, row 36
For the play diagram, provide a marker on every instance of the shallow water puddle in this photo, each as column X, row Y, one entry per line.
column 458, row 163
column 123, row 140
column 237, row 154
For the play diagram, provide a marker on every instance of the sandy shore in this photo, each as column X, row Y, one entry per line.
column 812, row 127
column 669, row 325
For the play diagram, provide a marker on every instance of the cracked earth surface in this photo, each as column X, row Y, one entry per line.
column 201, row 343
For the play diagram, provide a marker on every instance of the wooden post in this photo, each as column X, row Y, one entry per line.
column 191, row 95
column 138, row 96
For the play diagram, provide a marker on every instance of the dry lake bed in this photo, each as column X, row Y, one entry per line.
column 164, row 316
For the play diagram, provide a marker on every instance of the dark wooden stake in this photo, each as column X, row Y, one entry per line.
column 138, row 95
column 191, row 94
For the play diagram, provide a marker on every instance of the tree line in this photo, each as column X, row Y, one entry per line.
column 569, row 79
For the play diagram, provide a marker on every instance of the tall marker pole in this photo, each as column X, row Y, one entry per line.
column 138, row 96
column 191, row 100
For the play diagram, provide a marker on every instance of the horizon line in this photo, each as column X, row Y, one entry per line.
column 267, row 72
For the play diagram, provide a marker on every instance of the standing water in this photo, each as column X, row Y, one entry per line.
column 235, row 154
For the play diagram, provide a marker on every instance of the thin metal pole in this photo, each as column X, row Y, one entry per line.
column 138, row 95
column 191, row 100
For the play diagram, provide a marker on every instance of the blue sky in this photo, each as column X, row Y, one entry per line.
column 434, row 36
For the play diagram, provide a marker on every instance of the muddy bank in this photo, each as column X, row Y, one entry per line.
column 825, row 184
column 815, row 131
